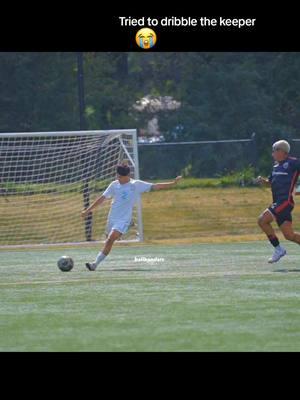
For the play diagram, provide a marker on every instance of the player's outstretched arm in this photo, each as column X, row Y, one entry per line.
column 90, row 209
column 166, row 185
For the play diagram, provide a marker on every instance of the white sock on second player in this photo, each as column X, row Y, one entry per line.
column 100, row 257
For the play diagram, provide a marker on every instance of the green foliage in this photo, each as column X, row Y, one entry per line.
column 38, row 92
column 222, row 94
column 235, row 178
column 238, row 178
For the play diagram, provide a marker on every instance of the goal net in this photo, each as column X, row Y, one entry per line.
column 47, row 178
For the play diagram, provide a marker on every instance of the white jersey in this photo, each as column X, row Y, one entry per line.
column 124, row 198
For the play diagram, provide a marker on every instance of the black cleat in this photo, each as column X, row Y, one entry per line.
column 91, row 266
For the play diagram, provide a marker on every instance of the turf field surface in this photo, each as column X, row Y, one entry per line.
column 201, row 297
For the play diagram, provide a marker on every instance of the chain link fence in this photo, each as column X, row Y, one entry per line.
column 200, row 159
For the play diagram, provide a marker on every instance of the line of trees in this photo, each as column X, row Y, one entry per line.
column 222, row 95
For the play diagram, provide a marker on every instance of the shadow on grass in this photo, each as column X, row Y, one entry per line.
column 287, row 270
column 134, row 269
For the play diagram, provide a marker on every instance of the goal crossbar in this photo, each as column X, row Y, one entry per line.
column 69, row 133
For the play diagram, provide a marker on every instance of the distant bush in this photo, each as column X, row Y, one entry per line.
column 235, row 178
column 238, row 178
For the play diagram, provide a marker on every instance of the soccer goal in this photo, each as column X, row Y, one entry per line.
column 47, row 178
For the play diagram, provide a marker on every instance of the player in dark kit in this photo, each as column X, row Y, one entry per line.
column 282, row 181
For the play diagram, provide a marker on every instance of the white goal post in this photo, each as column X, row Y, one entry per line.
column 47, row 178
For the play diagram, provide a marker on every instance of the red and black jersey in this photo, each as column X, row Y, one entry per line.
column 283, row 179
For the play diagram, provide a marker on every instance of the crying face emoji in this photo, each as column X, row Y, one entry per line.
column 145, row 38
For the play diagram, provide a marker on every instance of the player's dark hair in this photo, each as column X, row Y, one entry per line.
column 123, row 169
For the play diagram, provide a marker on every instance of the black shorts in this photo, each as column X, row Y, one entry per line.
column 282, row 212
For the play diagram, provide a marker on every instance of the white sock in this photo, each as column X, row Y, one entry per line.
column 100, row 257
column 279, row 248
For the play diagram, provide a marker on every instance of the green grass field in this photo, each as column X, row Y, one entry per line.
column 202, row 297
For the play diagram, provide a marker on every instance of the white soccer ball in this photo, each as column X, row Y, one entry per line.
column 65, row 263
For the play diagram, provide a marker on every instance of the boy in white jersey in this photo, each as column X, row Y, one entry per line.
column 125, row 192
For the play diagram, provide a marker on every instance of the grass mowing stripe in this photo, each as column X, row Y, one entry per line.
column 157, row 276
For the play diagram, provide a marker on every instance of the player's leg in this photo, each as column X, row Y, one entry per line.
column 264, row 222
column 112, row 237
column 288, row 232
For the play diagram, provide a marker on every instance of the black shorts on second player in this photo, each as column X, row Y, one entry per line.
column 282, row 212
